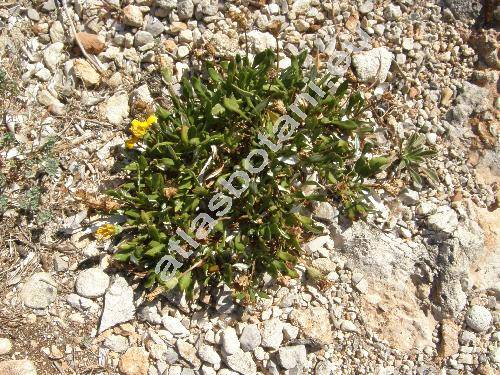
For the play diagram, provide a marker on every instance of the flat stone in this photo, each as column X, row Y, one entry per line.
column 445, row 219
column 241, row 362
column 86, row 72
column 52, row 55
column 208, row 354
column 118, row 304
column 449, row 338
column 39, row 291
column 116, row 108
column 116, row 343
column 92, row 283
column 185, row 9
column 174, row 326
column 314, row 323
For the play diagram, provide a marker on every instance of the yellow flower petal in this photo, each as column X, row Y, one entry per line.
column 130, row 143
column 151, row 120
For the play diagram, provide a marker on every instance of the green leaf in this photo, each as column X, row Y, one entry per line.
column 232, row 105
column 185, row 281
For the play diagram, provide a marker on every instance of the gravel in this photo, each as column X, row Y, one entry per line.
column 92, row 283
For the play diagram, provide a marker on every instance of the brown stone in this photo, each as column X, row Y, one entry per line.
column 170, row 45
column 446, row 95
column 91, row 42
column 134, row 362
column 449, row 338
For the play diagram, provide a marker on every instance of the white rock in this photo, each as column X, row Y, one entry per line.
column 39, row 291
column 52, row 55
column 241, row 362
column 174, row 326
column 182, row 51
column 292, row 356
column 5, row 346
column 250, row 337
column 348, row 326
column 261, row 41
column 445, row 219
column 132, row 16
column 392, row 12
column 272, row 333
column 118, row 304
column 230, row 342
column 82, row 303
column 91, row 283
column 116, row 108
column 116, row 343
column 301, row 6
column 409, row 197
column 208, row 354
column 185, row 9
column 372, row 65
column 56, row 32
column 478, row 318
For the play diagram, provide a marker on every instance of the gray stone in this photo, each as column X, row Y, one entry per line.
column 225, row 303
column 185, row 9
column 91, row 283
column 150, row 314
column 241, row 362
column 33, row 15
column 292, row 356
column 478, row 318
column 473, row 99
column 409, row 197
column 325, row 367
column 325, row 211
column 272, row 333
column 465, row 10
column 154, row 26
column 166, row 4
column 118, row 304
column 314, row 324
column 445, row 219
column 250, row 337
column 116, row 343
column 372, row 65
column 230, row 342
column 142, row 38
column 39, row 291
column 17, row 367
column 174, row 326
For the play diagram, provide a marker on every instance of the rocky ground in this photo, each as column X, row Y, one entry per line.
column 414, row 290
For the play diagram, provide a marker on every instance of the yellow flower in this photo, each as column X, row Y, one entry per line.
column 130, row 143
column 139, row 128
column 105, row 231
column 152, row 120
